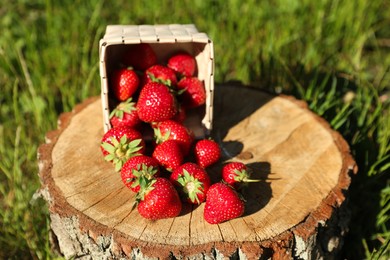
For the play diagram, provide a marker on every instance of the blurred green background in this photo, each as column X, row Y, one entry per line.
column 333, row 54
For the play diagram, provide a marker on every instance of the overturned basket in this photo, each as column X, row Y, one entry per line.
column 165, row 40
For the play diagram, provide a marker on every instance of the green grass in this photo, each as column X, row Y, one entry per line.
column 333, row 54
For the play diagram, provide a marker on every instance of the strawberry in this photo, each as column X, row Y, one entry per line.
column 158, row 200
column 139, row 56
column 207, row 152
column 181, row 115
column 172, row 130
column 194, row 94
column 223, row 203
column 137, row 169
column 235, row 173
column 161, row 74
column 121, row 143
column 168, row 154
column 156, row 103
column 125, row 114
column 193, row 181
column 183, row 64
column 124, row 83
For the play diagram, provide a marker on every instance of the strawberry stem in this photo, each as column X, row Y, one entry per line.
column 166, row 82
column 120, row 151
column 124, row 107
column 191, row 186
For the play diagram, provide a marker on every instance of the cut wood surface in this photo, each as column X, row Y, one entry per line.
column 304, row 166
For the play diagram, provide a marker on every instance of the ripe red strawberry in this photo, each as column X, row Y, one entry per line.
column 235, row 173
column 193, row 181
column 194, row 94
column 161, row 74
column 124, row 83
column 183, row 64
column 168, row 154
column 222, row 203
column 159, row 200
column 139, row 56
column 125, row 114
column 156, row 103
column 137, row 169
column 172, row 130
column 181, row 115
column 207, row 152
column 121, row 143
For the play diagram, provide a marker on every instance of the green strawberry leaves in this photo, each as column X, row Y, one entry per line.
column 142, row 175
column 166, row 82
column 124, row 107
column 147, row 185
column 120, row 151
column 191, row 186
column 159, row 137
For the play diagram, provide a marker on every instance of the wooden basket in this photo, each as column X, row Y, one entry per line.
column 165, row 41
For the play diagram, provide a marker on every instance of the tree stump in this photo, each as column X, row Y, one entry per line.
column 296, row 211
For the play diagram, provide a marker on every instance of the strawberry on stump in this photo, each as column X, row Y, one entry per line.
column 172, row 130
column 168, row 154
column 223, row 203
column 183, row 64
column 193, row 93
column 156, row 103
column 137, row 169
column 158, row 199
column 125, row 114
column 193, row 182
column 120, row 144
column 160, row 74
column 236, row 174
column 124, row 83
column 207, row 152
column 139, row 56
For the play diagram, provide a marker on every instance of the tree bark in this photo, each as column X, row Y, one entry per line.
column 298, row 210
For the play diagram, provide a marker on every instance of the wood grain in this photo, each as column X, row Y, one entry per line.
column 303, row 165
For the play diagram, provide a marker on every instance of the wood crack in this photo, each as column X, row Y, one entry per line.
column 81, row 189
column 143, row 230
column 101, row 199
column 123, row 219
column 220, row 231
column 257, row 238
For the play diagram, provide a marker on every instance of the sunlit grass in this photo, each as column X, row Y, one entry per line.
column 333, row 54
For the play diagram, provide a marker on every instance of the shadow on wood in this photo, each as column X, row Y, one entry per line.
column 257, row 194
column 233, row 107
